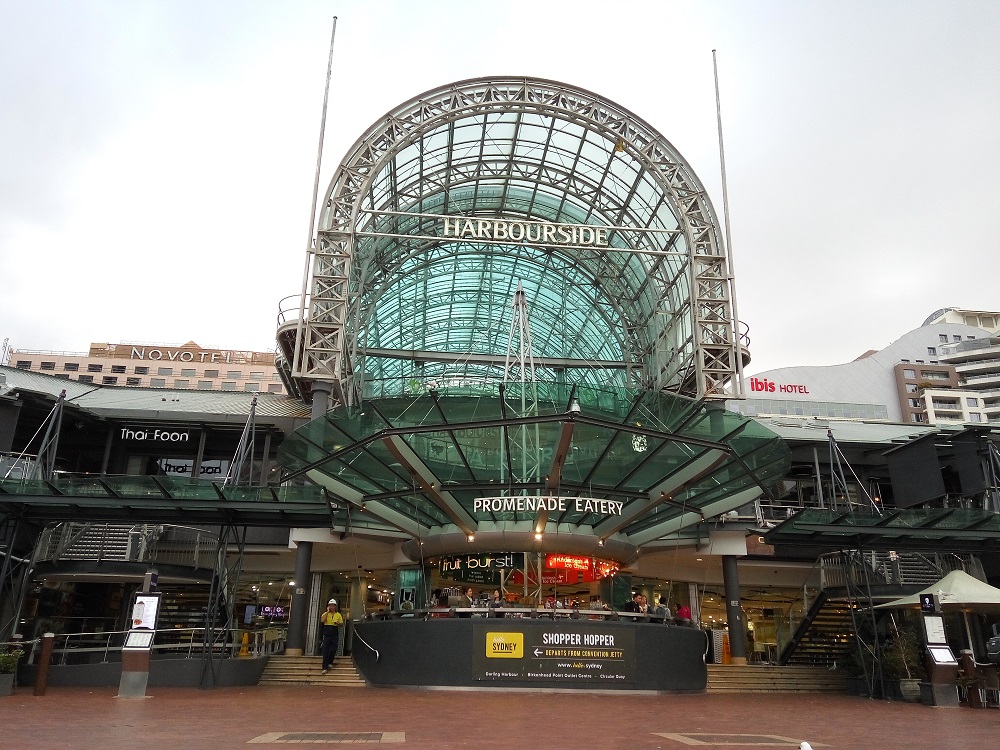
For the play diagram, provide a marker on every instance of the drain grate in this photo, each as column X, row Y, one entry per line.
column 328, row 738
column 733, row 740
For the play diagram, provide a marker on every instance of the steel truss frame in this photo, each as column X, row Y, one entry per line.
column 667, row 293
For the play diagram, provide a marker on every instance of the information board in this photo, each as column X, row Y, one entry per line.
column 573, row 653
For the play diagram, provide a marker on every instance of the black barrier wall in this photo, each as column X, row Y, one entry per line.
column 529, row 653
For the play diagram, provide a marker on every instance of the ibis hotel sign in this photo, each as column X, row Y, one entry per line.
column 540, row 232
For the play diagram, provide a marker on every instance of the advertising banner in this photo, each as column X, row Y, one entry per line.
column 567, row 651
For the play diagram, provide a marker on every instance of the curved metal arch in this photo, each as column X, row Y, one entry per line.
column 694, row 351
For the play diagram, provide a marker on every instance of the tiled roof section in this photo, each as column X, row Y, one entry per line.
column 129, row 401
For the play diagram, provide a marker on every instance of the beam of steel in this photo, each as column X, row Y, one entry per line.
column 379, row 510
column 554, row 477
column 429, row 483
column 676, row 523
column 663, row 492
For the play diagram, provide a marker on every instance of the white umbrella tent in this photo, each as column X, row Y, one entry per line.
column 957, row 592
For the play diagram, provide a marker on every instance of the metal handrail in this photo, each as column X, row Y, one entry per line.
column 358, row 636
column 231, row 643
column 532, row 613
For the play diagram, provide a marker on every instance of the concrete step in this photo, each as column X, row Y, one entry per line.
column 762, row 678
column 307, row 670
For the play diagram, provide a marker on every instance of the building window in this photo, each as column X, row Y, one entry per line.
column 251, row 386
column 182, row 383
column 913, row 402
column 211, row 373
column 95, row 368
column 133, row 381
column 972, row 401
column 142, row 371
column 969, row 338
column 186, row 373
column 909, row 374
column 164, row 370
column 275, row 376
column 157, row 383
column 943, row 338
column 256, row 375
column 932, row 351
column 86, row 378
column 71, row 366
column 228, row 385
column 986, row 321
column 274, row 388
column 24, row 364
column 956, row 338
column 61, row 376
column 916, row 417
column 109, row 380
column 48, row 365
column 234, row 374
column 975, row 417
column 911, row 387
column 204, row 385
column 120, row 369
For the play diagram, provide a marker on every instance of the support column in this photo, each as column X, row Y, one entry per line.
column 299, row 616
column 320, row 398
column 359, row 598
column 734, row 612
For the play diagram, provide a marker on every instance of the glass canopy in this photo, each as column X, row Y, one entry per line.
column 425, row 462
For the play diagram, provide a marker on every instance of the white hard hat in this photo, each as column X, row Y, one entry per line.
column 332, row 601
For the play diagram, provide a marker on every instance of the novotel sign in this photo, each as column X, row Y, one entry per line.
column 543, row 233
column 552, row 503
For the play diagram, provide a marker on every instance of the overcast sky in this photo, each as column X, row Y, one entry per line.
column 157, row 158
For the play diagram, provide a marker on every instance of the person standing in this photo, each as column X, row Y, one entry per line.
column 331, row 622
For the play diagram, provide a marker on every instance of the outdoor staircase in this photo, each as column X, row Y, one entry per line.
column 763, row 678
column 307, row 670
column 90, row 541
column 824, row 635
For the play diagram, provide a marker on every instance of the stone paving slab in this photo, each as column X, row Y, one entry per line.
column 266, row 716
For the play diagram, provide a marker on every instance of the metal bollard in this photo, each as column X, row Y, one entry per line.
column 42, row 670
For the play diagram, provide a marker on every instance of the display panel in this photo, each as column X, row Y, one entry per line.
column 942, row 655
column 934, row 629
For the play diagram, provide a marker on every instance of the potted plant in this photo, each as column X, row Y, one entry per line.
column 8, row 665
column 903, row 661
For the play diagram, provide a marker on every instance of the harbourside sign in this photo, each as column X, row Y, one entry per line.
column 552, row 503
column 541, row 232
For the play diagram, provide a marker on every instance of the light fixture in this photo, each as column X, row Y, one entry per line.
column 538, row 536
column 574, row 406
column 472, row 537
column 600, row 542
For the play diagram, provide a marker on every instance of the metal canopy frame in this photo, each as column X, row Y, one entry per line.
column 657, row 302
column 973, row 530
column 418, row 463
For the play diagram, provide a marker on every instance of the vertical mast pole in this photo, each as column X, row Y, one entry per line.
column 299, row 344
column 738, row 385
